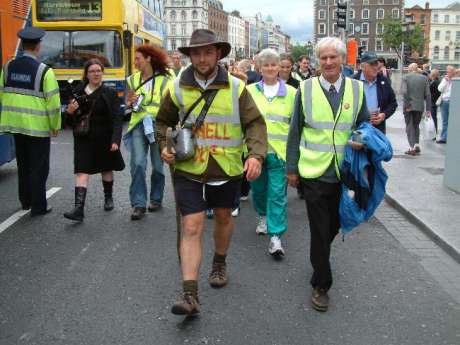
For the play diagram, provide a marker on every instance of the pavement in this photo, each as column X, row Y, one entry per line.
column 415, row 187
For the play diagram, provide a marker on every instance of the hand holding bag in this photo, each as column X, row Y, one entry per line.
column 82, row 126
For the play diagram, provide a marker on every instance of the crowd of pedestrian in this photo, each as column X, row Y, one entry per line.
column 223, row 131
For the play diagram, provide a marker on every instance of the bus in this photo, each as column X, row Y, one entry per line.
column 77, row 30
column 14, row 15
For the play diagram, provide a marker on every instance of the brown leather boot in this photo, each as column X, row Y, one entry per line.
column 187, row 304
column 218, row 276
column 319, row 299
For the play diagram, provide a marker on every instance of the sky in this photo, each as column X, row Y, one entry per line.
column 296, row 16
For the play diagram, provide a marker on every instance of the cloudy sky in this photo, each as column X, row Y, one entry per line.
column 296, row 16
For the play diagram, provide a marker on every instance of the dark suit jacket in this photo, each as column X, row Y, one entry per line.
column 386, row 98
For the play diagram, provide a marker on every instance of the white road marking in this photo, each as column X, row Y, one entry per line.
column 21, row 213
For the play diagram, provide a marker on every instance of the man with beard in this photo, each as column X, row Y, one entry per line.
column 221, row 122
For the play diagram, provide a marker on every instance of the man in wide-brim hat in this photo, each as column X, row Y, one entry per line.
column 212, row 177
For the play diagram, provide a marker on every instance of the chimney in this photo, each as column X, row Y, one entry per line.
column 427, row 5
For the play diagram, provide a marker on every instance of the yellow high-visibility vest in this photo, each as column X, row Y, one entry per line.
column 324, row 137
column 277, row 114
column 220, row 135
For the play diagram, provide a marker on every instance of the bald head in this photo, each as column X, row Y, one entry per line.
column 413, row 67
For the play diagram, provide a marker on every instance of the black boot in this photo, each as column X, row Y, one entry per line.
column 108, row 200
column 77, row 213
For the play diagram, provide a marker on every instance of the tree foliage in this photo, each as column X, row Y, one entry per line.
column 394, row 36
column 299, row 50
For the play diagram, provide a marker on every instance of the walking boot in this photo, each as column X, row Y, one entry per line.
column 108, row 199
column 77, row 213
column 187, row 304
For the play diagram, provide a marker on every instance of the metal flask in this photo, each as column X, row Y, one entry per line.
column 184, row 143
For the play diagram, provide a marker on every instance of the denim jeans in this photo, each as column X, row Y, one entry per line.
column 139, row 151
column 445, row 119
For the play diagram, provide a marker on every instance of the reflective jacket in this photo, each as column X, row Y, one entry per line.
column 29, row 97
column 324, row 135
column 220, row 135
column 151, row 98
column 277, row 114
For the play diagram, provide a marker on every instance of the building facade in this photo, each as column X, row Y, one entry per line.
column 182, row 17
column 218, row 19
column 366, row 21
column 236, row 35
column 445, row 36
column 421, row 16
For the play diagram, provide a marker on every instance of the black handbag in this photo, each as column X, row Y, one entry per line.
column 82, row 125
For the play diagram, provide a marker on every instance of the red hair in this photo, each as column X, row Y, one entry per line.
column 158, row 57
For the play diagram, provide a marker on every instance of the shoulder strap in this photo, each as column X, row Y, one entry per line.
column 209, row 94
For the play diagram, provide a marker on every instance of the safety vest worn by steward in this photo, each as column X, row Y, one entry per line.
column 29, row 97
column 151, row 102
column 220, row 135
column 277, row 115
column 323, row 137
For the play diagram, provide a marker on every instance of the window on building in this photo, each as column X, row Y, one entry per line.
column 183, row 15
column 446, row 19
column 364, row 44
column 436, row 53
column 457, row 36
column 395, row 13
column 395, row 2
column 183, row 30
column 173, row 29
column 322, row 14
column 351, row 28
column 435, row 18
column 173, row 44
column 457, row 54
column 365, row 28
column 447, row 35
column 194, row 14
column 381, row 2
column 184, row 42
column 322, row 28
column 365, row 13
column 379, row 28
column 457, row 19
column 380, row 13
column 422, row 19
column 365, row 2
column 322, row 2
column 379, row 45
column 173, row 15
column 437, row 35
column 194, row 2
column 446, row 53
column 351, row 14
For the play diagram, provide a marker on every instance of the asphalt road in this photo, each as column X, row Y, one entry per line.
column 112, row 281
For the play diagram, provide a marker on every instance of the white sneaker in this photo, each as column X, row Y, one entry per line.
column 236, row 212
column 244, row 198
column 262, row 226
column 274, row 248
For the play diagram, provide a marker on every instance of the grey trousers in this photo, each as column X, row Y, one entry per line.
column 413, row 119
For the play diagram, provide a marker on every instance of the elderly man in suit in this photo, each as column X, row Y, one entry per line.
column 416, row 92
column 380, row 97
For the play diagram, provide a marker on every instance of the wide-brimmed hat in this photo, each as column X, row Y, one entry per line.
column 204, row 37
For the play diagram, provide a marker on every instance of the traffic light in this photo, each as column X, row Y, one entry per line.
column 342, row 14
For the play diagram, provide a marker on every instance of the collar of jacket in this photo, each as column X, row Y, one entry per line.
column 187, row 79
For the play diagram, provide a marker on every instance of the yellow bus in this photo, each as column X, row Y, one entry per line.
column 109, row 30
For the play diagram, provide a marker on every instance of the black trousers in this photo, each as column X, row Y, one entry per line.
column 33, row 160
column 322, row 201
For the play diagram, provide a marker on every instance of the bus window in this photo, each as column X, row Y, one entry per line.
column 71, row 49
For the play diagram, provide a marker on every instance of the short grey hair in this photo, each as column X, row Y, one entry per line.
column 268, row 55
column 334, row 42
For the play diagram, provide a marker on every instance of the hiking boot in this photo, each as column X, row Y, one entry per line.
column 417, row 150
column 187, row 304
column 108, row 203
column 138, row 213
column 108, row 199
column 218, row 276
column 154, row 206
column 274, row 248
column 77, row 214
column 319, row 299
column 261, row 226
column 236, row 212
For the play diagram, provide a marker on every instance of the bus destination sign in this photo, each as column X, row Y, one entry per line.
column 58, row 10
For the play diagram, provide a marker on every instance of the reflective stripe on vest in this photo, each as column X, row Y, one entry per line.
column 308, row 103
column 323, row 147
column 278, row 118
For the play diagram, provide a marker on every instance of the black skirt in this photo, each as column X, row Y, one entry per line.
column 93, row 155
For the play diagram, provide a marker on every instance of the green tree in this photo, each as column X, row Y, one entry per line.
column 394, row 36
column 299, row 50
